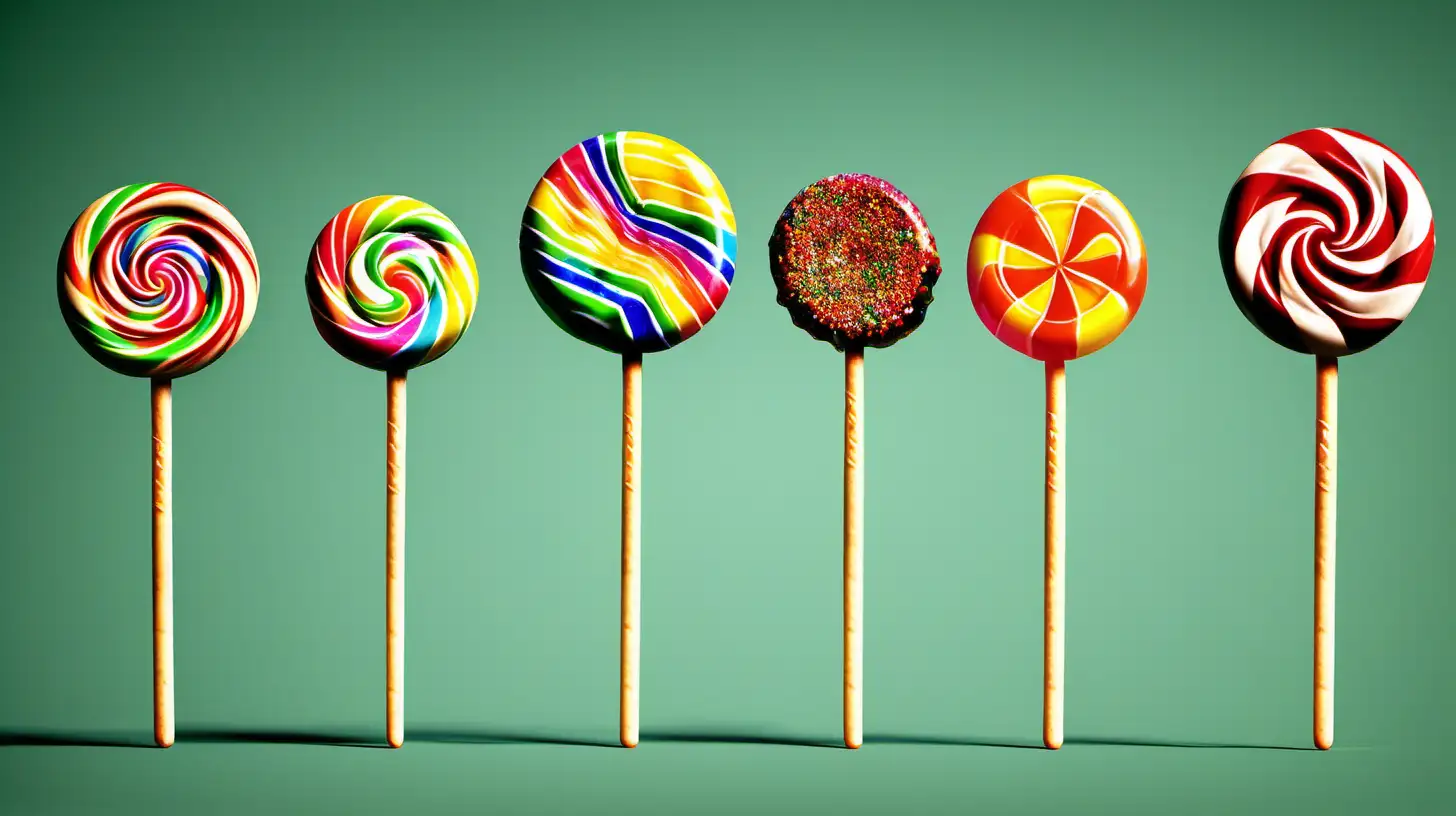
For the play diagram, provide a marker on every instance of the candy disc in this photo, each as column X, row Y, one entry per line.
column 157, row 280
column 392, row 283
column 854, row 261
column 1056, row 268
column 628, row 242
column 1326, row 241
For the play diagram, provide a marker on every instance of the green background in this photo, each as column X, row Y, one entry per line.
column 1190, row 439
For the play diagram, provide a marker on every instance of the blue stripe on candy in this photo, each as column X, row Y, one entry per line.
column 638, row 317
column 696, row 245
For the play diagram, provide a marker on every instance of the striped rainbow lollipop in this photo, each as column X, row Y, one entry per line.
column 628, row 242
column 392, row 283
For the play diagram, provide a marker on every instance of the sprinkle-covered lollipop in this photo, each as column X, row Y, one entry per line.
column 158, row 280
column 1056, row 271
column 854, row 264
column 393, row 285
column 628, row 243
column 1326, row 242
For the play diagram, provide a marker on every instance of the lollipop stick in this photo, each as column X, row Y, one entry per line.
column 631, row 543
column 394, row 562
column 853, row 548
column 163, row 711
column 1056, row 554
column 1326, row 427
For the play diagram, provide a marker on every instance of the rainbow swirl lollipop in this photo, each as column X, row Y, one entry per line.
column 157, row 280
column 1056, row 267
column 628, row 242
column 392, row 283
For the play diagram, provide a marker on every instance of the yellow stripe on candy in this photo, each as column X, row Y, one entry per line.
column 1102, row 323
column 664, row 172
column 1025, row 314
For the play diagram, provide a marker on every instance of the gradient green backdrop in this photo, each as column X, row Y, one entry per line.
column 1190, row 438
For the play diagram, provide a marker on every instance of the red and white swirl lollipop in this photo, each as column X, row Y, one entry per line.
column 1326, row 241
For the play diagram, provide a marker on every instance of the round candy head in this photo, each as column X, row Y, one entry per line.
column 854, row 261
column 157, row 280
column 1056, row 267
column 1326, row 241
column 628, row 242
column 392, row 283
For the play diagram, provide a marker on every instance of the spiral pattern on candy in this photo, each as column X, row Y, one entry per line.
column 392, row 283
column 1326, row 241
column 628, row 242
column 157, row 280
column 1056, row 267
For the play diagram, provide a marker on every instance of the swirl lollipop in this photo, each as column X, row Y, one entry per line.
column 157, row 281
column 392, row 285
column 1326, row 242
column 628, row 243
column 854, row 264
column 1056, row 271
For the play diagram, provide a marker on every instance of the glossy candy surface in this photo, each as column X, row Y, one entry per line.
column 157, row 280
column 1327, row 239
column 1056, row 267
column 392, row 283
column 628, row 242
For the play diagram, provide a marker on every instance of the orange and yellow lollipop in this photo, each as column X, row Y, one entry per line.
column 1056, row 267
column 1056, row 271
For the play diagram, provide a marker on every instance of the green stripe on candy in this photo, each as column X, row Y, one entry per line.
column 687, row 222
column 117, row 200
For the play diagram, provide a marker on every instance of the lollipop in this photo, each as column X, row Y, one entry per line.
column 628, row 243
column 1326, row 242
column 157, row 281
column 1056, row 271
column 392, row 285
column 854, row 264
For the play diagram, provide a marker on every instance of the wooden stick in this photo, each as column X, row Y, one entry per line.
column 631, row 544
column 853, row 548
column 164, row 718
column 394, row 560
column 1325, row 458
column 1054, row 653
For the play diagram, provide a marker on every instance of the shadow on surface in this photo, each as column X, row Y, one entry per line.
column 483, row 736
column 1140, row 742
column 60, row 738
column 915, row 739
column 741, row 738
column 279, row 736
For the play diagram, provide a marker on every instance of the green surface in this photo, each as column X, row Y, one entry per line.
column 1190, row 438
